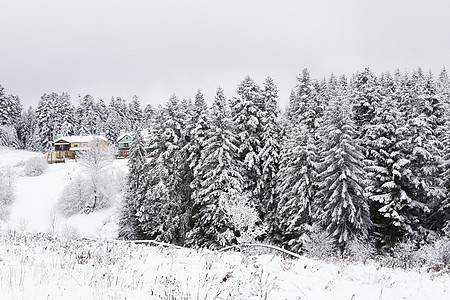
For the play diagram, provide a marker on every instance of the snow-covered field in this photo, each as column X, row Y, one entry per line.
column 37, row 265
column 35, row 198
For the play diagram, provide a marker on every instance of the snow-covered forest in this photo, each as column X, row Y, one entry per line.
column 359, row 162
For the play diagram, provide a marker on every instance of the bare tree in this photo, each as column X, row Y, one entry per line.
column 95, row 158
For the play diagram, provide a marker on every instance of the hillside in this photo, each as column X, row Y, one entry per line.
column 35, row 198
column 42, row 256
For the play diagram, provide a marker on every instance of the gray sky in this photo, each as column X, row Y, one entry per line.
column 156, row 48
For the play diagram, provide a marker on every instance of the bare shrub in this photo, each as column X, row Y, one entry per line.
column 79, row 194
column 6, row 193
column 360, row 250
column 35, row 166
column 437, row 254
column 318, row 243
column 404, row 255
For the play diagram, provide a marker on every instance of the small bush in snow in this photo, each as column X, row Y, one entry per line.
column 405, row 255
column 79, row 194
column 35, row 166
column 6, row 194
column 437, row 254
column 318, row 243
column 359, row 250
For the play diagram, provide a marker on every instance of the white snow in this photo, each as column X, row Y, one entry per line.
column 35, row 198
column 36, row 267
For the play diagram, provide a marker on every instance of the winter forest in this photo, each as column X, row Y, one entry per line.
column 351, row 162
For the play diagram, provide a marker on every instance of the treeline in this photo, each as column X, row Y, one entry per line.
column 37, row 128
column 353, row 160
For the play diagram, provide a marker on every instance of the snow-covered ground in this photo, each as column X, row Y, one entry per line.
column 34, row 266
column 35, row 198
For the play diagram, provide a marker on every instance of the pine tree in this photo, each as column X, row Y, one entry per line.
column 388, row 174
column 344, row 210
column 112, row 127
column 247, row 118
column 10, row 112
column 45, row 118
column 219, row 181
column 149, row 114
column 64, row 115
column 87, row 116
column 163, row 214
column 135, row 113
column 198, row 130
column 270, row 153
column 120, row 107
column 101, row 113
column 298, row 170
column 137, row 185
column 26, row 132
column 424, row 126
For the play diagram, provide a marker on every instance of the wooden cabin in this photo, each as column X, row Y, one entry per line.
column 51, row 158
column 68, row 147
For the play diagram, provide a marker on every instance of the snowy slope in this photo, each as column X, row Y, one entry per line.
column 36, row 267
column 35, row 197
column 39, row 268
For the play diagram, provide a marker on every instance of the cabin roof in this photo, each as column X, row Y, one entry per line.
column 79, row 139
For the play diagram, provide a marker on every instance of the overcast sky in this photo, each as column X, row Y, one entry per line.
column 157, row 48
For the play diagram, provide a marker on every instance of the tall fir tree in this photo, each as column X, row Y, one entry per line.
column 298, row 171
column 64, row 115
column 269, row 156
column 130, row 227
column 344, row 209
column 164, row 212
column 247, row 118
column 45, row 119
column 136, row 116
column 87, row 115
column 219, row 181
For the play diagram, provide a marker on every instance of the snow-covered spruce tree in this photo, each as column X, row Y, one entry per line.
column 163, row 214
column 298, row 169
column 119, row 105
column 296, row 187
column 10, row 112
column 425, row 123
column 135, row 113
column 269, row 155
column 218, row 182
column 365, row 96
column 137, row 185
column 112, row 127
column 45, row 118
column 247, row 118
column 388, row 174
column 197, row 128
column 87, row 115
column 64, row 115
column 26, row 128
column 149, row 115
column 444, row 91
column 343, row 208
column 101, row 113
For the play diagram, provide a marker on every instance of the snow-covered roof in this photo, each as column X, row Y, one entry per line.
column 130, row 134
column 78, row 148
column 81, row 138
column 144, row 134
